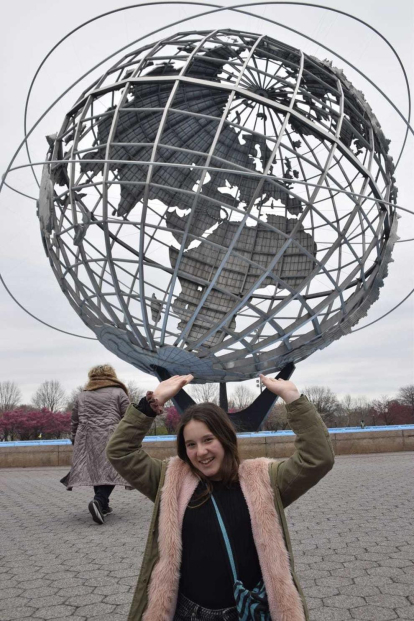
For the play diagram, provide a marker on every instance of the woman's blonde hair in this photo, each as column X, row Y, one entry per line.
column 102, row 369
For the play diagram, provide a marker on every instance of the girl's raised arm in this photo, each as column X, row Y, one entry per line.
column 124, row 449
column 313, row 456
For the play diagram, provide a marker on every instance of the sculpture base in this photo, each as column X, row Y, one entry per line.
column 249, row 419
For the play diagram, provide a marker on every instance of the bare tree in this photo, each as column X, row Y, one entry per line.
column 10, row 396
column 406, row 396
column 135, row 391
column 381, row 410
column 346, row 410
column 203, row 393
column 72, row 397
column 361, row 411
column 277, row 418
column 325, row 402
column 50, row 395
column 241, row 397
column 354, row 411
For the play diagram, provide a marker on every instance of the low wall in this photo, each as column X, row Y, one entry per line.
column 264, row 444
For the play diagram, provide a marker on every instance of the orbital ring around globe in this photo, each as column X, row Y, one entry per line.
column 200, row 268
column 237, row 9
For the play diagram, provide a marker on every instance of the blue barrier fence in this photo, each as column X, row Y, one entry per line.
column 258, row 434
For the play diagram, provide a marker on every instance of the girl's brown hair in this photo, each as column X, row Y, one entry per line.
column 220, row 426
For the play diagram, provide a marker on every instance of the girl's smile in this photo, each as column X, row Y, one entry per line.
column 204, row 450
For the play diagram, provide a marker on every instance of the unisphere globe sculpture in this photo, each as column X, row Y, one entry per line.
column 219, row 203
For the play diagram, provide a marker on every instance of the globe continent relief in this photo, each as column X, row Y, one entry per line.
column 219, row 203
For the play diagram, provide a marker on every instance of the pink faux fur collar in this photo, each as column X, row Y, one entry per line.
column 179, row 486
column 284, row 600
column 180, row 483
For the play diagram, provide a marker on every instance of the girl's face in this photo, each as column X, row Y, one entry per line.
column 204, row 450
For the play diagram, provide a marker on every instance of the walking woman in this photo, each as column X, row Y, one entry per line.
column 96, row 412
column 218, row 547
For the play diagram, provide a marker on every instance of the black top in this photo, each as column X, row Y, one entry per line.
column 206, row 577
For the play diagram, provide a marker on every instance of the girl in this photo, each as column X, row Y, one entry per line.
column 186, row 570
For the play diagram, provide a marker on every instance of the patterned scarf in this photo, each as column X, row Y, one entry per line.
column 102, row 381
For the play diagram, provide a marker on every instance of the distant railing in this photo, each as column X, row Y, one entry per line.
column 258, row 434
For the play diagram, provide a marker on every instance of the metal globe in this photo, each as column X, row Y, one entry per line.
column 219, row 203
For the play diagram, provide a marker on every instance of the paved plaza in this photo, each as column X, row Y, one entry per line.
column 353, row 538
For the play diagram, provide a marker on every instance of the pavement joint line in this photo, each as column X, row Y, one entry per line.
column 352, row 535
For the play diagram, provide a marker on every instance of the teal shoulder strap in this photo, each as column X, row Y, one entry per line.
column 226, row 538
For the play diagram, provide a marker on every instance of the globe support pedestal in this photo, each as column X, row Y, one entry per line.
column 223, row 401
column 249, row 419
column 253, row 417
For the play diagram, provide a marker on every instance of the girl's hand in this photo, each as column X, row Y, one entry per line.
column 169, row 388
column 283, row 388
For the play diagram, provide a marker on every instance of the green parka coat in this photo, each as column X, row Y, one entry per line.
column 288, row 479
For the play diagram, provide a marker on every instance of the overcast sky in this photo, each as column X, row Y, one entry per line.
column 373, row 362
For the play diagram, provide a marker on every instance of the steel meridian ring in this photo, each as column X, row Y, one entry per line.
column 238, row 8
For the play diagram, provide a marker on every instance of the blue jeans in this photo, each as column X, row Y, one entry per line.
column 189, row 611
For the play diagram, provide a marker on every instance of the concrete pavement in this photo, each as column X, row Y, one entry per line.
column 353, row 538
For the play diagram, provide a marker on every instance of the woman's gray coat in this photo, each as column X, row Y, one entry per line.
column 95, row 415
